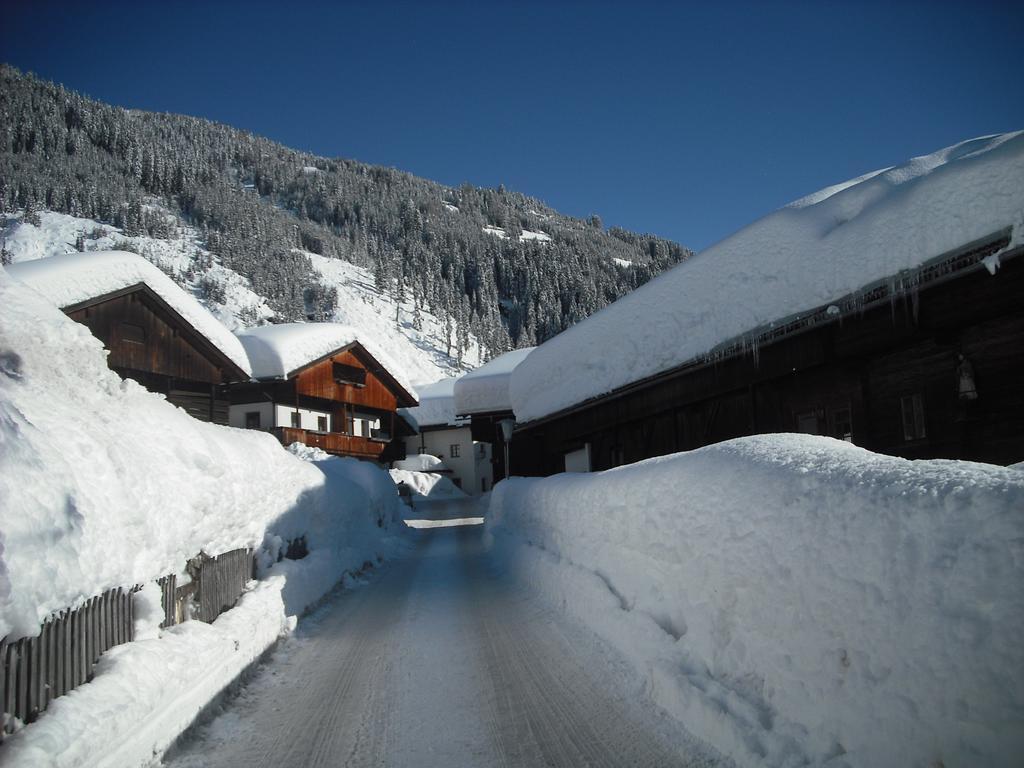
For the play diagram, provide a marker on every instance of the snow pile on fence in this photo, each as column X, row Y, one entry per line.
column 103, row 484
column 486, row 389
column 813, row 251
column 68, row 279
column 428, row 485
column 793, row 598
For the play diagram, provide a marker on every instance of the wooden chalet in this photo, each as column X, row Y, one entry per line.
column 343, row 401
column 154, row 332
column 929, row 364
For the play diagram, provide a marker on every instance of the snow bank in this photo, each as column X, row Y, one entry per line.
column 71, row 278
column 487, row 388
column 427, row 485
column 276, row 351
column 816, row 250
column 795, row 599
column 421, row 462
column 437, row 406
column 104, row 484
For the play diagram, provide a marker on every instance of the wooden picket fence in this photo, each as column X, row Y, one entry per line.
column 219, row 581
column 36, row 670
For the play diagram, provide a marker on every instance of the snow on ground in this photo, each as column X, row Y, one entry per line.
column 795, row 599
column 526, row 234
column 421, row 462
column 103, row 484
column 624, row 263
column 803, row 256
column 277, row 351
column 487, row 388
column 420, row 353
column 427, row 485
column 458, row 522
column 436, row 408
column 71, row 278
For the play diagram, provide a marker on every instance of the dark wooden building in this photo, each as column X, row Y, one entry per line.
column 344, row 403
column 926, row 364
column 148, row 338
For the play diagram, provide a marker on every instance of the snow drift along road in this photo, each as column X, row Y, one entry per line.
column 790, row 597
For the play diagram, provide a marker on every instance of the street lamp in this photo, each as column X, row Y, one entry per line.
column 507, row 426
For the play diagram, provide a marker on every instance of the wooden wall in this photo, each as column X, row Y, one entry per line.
column 142, row 337
column 855, row 371
column 318, row 381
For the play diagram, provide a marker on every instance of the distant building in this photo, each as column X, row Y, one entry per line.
column 483, row 396
column 155, row 332
column 440, row 433
column 885, row 311
column 320, row 385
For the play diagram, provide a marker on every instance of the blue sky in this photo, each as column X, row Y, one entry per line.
column 687, row 120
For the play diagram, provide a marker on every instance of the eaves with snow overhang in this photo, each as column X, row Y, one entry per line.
column 979, row 256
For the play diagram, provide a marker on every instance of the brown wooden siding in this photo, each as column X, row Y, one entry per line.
column 142, row 337
column 318, row 381
column 861, row 366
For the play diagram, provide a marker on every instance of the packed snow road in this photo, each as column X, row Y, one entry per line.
column 438, row 661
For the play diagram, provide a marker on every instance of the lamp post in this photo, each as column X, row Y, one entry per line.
column 506, row 433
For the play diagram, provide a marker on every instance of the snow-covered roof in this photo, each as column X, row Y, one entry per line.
column 812, row 252
column 74, row 278
column 437, row 406
column 278, row 351
column 486, row 389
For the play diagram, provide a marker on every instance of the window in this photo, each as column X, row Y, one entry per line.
column 807, row 423
column 481, row 450
column 296, row 420
column 252, row 420
column 349, row 374
column 453, row 451
column 321, row 423
column 842, row 424
column 912, row 407
column 133, row 334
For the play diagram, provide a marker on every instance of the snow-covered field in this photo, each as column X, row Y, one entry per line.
column 104, row 484
column 797, row 600
column 420, row 353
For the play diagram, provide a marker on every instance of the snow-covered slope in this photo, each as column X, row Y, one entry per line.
column 816, row 250
column 180, row 257
column 421, row 352
column 796, row 600
column 418, row 352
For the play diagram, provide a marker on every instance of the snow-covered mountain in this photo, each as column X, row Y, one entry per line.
column 493, row 264
column 422, row 352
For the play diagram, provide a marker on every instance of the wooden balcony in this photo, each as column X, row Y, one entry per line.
column 333, row 442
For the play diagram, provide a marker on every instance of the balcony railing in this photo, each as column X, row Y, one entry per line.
column 332, row 442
